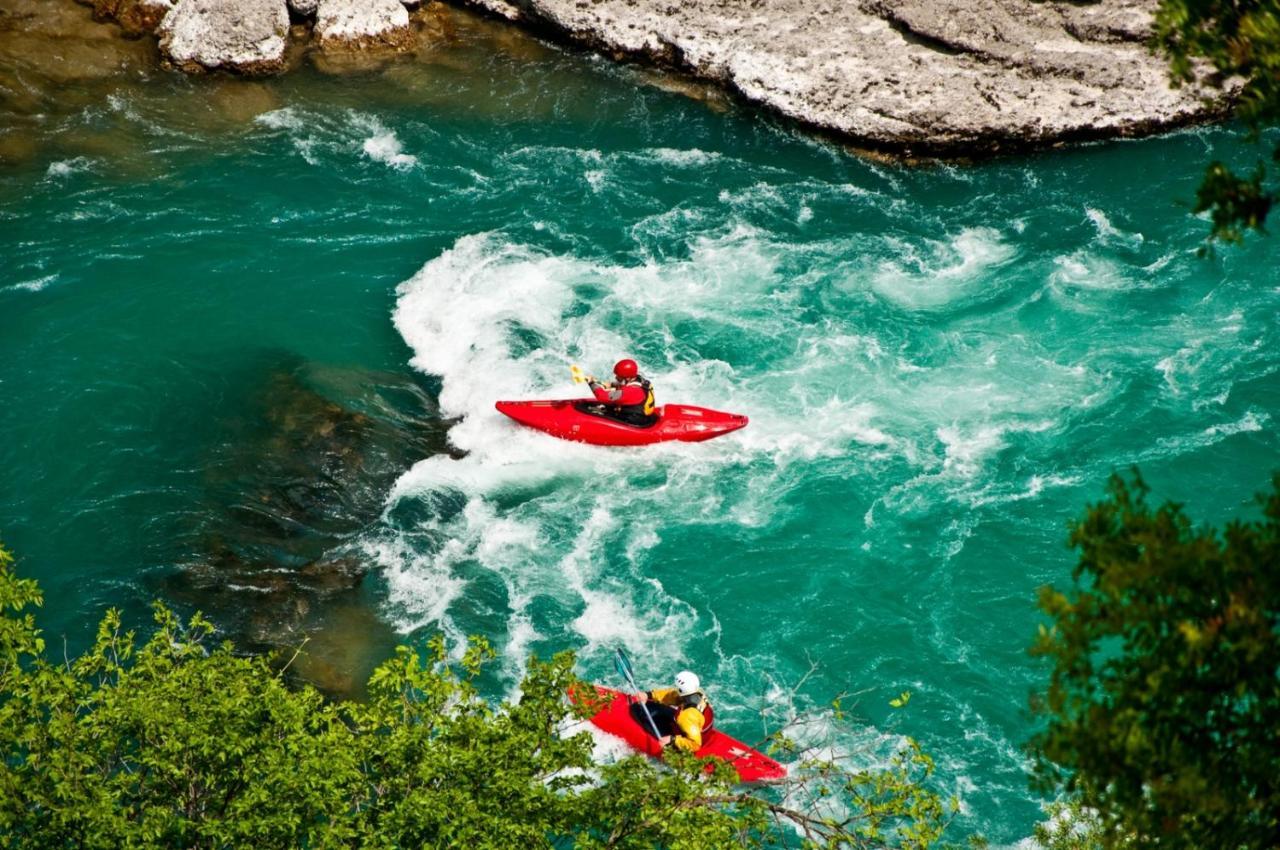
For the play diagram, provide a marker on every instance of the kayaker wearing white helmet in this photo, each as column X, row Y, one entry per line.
column 681, row 714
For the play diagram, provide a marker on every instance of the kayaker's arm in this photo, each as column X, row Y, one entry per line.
column 626, row 395
column 666, row 696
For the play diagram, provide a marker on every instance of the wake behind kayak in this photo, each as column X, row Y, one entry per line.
column 583, row 420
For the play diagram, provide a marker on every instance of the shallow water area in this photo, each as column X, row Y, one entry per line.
column 942, row 365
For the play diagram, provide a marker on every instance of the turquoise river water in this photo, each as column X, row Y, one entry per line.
column 942, row 366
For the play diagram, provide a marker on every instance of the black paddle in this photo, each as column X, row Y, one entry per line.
column 623, row 665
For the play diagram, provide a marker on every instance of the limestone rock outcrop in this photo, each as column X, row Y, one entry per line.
column 928, row 76
column 361, row 24
column 245, row 36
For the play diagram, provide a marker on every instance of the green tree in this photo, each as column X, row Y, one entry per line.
column 1240, row 39
column 1162, row 712
column 172, row 742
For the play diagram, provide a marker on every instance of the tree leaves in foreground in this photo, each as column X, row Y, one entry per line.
column 1241, row 40
column 173, row 743
column 1163, row 708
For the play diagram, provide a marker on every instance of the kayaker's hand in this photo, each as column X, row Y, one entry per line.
column 665, row 740
column 642, row 697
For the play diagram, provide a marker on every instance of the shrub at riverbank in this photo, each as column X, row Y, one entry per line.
column 1163, row 704
column 176, row 743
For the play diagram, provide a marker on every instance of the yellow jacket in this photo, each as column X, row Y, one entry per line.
column 690, row 720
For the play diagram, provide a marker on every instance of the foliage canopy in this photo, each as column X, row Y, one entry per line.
column 1241, row 40
column 172, row 742
column 1163, row 706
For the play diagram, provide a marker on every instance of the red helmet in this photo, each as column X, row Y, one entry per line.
column 626, row 369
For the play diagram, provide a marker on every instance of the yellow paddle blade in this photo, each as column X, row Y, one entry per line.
column 579, row 376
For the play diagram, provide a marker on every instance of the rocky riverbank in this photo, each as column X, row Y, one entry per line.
column 927, row 76
column 910, row 76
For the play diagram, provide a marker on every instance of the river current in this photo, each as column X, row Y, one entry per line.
column 942, row 366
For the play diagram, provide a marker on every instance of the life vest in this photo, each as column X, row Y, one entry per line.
column 699, row 701
column 649, row 405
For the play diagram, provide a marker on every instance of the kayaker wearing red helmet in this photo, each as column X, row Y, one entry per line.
column 629, row 399
column 680, row 714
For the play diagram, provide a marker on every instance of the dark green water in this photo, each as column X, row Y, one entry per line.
column 942, row 366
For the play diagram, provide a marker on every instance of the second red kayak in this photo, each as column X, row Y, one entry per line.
column 579, row 419
column 616, row 719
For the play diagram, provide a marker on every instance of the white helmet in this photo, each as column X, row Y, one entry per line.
column 687, row 683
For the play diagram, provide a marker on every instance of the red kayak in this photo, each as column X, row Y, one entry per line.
column 752, row 765
column 581, row 420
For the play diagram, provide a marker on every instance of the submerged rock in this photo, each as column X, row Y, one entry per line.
column 303, row 467
column 937, row 76
column 245, row 36
column 44, row 45
column 362, row 24
column 239, row 102
column 17, row 148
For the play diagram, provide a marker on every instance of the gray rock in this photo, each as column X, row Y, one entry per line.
column 929, row 76
column 304, row 8
column 363, row 24
column 245, row 36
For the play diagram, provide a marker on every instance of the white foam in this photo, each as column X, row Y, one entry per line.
column 378, row 142
column 942, row 272
column 965, row 453
column 1109, row 234
column 281, row 119
column 422, row 585
column 1083, row 270
column 386, row 148
column 1032, row 489
column 681, row 158
column 36, row 284
column 298, row 128
column 66, row 167
column 118, row 103
column 1251, row 421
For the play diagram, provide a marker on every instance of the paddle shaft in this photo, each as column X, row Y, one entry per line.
column 624, row 667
